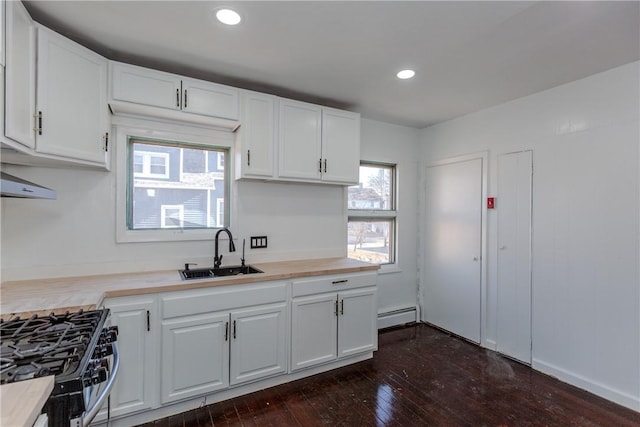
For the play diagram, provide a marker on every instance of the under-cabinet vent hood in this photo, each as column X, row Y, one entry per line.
column 12, row 186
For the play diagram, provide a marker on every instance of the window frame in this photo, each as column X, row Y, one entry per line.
column 373, row 215
column 125, row 129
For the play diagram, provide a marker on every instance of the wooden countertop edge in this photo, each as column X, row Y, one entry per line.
column 22, row 401
column 156, row 282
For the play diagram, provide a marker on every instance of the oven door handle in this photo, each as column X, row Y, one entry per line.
column 90, row 414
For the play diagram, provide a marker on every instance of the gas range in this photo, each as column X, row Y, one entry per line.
column 76, row 347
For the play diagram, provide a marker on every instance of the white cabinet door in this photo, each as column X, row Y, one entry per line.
column 195, row 356
column 258, row 343
column 72, row 99
column 138, row 343
column 20, row 74
column 357, row 326
column 314, row 330
column 300, row 140
column 340, row 146
column 144, row 86
column 209, row 99
column 256, row 136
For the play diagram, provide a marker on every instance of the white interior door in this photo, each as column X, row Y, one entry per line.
column 453, row 247
column 514, row 255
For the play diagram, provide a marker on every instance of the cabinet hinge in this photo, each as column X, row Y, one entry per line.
column 38, row 118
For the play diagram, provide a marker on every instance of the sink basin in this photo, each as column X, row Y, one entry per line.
column 232, row 270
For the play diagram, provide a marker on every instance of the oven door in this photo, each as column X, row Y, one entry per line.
column 96, row 395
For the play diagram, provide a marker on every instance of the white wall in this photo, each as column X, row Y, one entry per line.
column 75, row 234
column 586, row 223
column 381, row 142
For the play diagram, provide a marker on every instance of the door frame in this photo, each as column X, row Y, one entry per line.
column 484, row 157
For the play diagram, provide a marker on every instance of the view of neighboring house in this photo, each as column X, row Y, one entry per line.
column 176, row 187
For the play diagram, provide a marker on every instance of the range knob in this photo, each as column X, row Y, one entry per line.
column 103, row 350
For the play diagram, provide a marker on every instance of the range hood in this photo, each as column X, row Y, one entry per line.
column 12, row 186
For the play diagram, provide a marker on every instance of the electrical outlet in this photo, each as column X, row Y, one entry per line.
column 258, row 242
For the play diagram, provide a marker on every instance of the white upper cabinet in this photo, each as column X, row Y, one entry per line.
column 318, row 143
column 340, row 146
column 209, row 99
column 256, row 137
column 20, row 75
column 144, row 86
column 73, row 115
column 130, row 83
column 300, row 140
column 62, row 115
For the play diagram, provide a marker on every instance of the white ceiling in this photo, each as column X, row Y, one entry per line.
column 467, row 55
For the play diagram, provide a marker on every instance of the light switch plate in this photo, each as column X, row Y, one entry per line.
column 258, row 242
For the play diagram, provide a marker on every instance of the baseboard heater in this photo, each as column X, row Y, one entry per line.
column 397, row 317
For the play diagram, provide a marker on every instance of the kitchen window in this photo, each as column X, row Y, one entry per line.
column 372, row 214
column 175, row 186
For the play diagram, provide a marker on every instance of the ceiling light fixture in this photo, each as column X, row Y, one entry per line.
column 405, row 74
column 228, row 16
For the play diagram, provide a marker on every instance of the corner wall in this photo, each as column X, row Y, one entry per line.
column 585, row 140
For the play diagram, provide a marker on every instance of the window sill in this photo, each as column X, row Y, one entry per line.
column 389, row 269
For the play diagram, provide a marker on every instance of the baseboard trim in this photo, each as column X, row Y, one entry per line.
column 619, row 397
column 397, row 317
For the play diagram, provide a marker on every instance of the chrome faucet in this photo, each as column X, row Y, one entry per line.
column 217, row 260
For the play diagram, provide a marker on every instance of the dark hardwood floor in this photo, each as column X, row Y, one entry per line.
column 419, row 377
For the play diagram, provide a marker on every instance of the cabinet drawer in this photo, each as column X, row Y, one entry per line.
column 336, row 282
column 197, row 301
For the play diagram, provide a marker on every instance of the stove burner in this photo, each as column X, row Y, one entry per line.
column 49, row 345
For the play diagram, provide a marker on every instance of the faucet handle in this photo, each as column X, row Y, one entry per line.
column 187, row 264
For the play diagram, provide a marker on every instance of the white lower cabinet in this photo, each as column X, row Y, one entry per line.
column 216, row 338
column 258, row 345
column 176, row 347
column 195, row 356
column 136, row 383
column 326, row 326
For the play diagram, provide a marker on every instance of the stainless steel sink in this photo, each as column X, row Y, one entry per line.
column 232, row 270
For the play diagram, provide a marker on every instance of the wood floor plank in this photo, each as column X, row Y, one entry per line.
column 420, row 376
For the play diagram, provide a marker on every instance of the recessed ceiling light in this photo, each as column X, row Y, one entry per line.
column 228, row 16
column 405, row 74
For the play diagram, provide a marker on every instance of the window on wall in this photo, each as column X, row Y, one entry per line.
column 372, row 215
column 171, row 185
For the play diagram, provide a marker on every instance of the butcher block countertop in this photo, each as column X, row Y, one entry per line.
column 42, row 296
column 22, row 401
